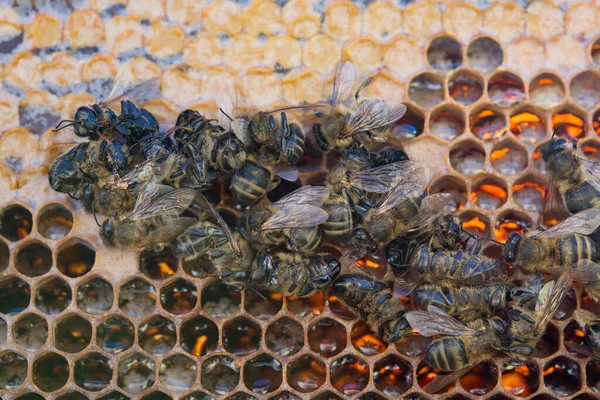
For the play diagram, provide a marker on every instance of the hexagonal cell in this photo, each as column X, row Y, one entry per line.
column 562, row 376
column 198, row 396
column 480, row 379
column 444, row 54
column 485, row 54
column 178, row 373
column 50, row 372
column 311, row 305
column 548, row 343
column 465, row 87
column 529, row 192
column 115, row 334
column 573, row 123
column 179, row 296
column 220, row 300
column 392, row 375
column 158, row 395
column 3, row 330
column 15, row 295
column 410, row 125
column 567, row 306
column 574, row 334
column 591, row 148
column 220, row 374
column 263, row 374
column 158, row 264
column 240, row 396
column 509, row 222
column 592, row 373
column 585, row 88
column 528, row 125
column 475, row 222
column 54, row 221
column 489, row 192
column 95, row 296
column 365, row 340
column 263, row 305
column 13, row 370
column 198, row 268
column 53, row 296
column 4, row 255
column 93, row 372
column 72, row 396
column 546, row 91
column 509, row 158
column 135, row 373
column 157, row 334
column 425, row 374
column 426, row 89
column 33, row 259
column 30, row 396
column 447, row 122
column 487, row 122
column 506, row 89
column 284, row 337
column 76, row 258
column 375, row 396
column 72, row 333
column 15, row 222
column 457, row 189
column 241, row 336
column 327, row 395
column 137, row 298
column 30, row 331
column 306, row 374
column 339, row 309
column 595, row 52
column 327, row 337
column 467, row 157
column 199, row 335
column 349, row 375
column 114, row 395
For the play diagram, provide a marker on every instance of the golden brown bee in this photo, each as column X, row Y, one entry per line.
column 375, row 303
column 294, row 220
column 349, row 117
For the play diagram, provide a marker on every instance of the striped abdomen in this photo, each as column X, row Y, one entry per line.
column 250, row 183
column 292, row 145
column 575, row 247
column 304, row 239
column 446, row 354
column 581, row 197
column 339, row 223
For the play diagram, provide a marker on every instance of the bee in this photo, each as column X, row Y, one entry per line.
column 559, row 247
column 590, row 324
column 71, row 171
column 375, row 303
column 348, row 117
column 294, row 220
column 154, row 221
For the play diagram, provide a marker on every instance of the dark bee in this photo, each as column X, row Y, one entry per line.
column 375, row 303
column 347, row 119
column 294, row 220
column 71, row 171
column 590, row 324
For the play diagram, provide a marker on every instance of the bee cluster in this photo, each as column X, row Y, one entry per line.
column 148, row 182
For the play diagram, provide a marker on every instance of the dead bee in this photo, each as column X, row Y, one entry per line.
column 590, row 324
column 375, row 303
column 154, row 221
column 294, row 220
column 349, row 117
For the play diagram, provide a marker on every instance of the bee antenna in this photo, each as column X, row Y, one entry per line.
column 467, row 233
column 94, row 212
column 225, row 114
column 557, row 128
column 256, row 291
column 69, row 122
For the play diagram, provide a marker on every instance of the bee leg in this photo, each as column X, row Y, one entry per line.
column 274, row 183
column 363, row 85
column 94, row 212
column 71, row 196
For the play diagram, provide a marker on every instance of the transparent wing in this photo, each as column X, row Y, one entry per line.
column 584, row 222
column 287, row 172
column 343, row 82
column 441, row 381
column 549, row 299
column 155, row 168
column 403, row 192
column 158, row 199
column 581, row 349
column 475, row 273
column 429, row 210
column 373, row 114
column 295, row 216
column 123, row 87
column 205, row 205
column 583, row 271
column 382, row 179
column 403, row 287
column 585, row 317
column 592, row 170
column 554, row 207
column 168, row 231
column 312, row 195
column 436, row 322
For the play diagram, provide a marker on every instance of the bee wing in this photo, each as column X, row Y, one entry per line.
column 436, row 322
column 122, row 87
column 550, row 297
column 554, row 204
column 343, row 82
column 168, row 231
column 373, row 114
column 312, row 195
column 592, row 170
column 412, row 174
column 158, row 199
column 580, row 349
column 155, row 168
column 441, row 381
column 584, row 222
column 295, row 216
column 206, row 206
column 584, row 317
column 287, row 172
column 582, row 271
column 429, row 210
column 403, row 287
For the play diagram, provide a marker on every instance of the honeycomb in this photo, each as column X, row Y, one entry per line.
column 485, row 83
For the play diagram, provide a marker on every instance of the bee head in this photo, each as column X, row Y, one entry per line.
column 363, row 241
column 107, row 232
column 86, row 122
column 391, row 155
column 556, row 146
column 509, row 253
